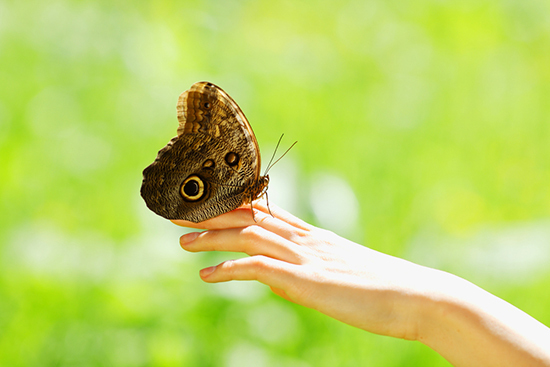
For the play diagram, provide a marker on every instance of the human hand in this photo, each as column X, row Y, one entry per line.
column 370, row 290
column 313, row 267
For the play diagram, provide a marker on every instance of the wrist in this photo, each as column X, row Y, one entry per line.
column 423, row 304
column 468, row 326
column 441, row 304
column 448, row 317
column 429, row 303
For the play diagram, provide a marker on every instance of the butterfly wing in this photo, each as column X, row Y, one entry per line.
column 208, row 108
column 206, row 170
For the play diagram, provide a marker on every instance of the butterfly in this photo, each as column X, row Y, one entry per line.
column 213, row 164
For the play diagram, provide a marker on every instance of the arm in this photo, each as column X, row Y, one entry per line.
column 370, row 290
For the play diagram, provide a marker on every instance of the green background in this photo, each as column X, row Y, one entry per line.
column 423, row 126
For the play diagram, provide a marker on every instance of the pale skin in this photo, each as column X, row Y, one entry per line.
column 370, row 290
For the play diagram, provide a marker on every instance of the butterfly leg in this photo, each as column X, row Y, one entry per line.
column 268, row 208
column 252, row 210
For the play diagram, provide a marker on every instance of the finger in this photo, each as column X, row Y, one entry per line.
column 251, row 240
column 239, row 218
column 236, row 218
column 281, row 222
column 274, row 273
column 242, row 217
column 281, row 214
column 281, row 228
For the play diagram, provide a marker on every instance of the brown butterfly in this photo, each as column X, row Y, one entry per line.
column 212, row 166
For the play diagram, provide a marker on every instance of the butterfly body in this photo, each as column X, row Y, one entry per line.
column 212, row 166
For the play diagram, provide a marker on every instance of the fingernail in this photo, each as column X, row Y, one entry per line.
column 189, row 237
column 207, row 271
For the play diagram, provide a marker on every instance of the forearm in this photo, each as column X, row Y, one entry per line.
column 471, row 327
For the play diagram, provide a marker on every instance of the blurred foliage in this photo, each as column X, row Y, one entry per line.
column 435, row 113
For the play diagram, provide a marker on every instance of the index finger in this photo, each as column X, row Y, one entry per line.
column 242, row 217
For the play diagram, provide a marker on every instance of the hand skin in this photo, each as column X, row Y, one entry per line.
column 370, row 290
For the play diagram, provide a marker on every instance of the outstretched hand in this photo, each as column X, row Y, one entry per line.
column 370, row 290
column 312, row 267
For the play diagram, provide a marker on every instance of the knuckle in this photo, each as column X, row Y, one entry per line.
column 229, row 266
column 264, row 218
column 258, row 262
column 212, row 239
column 304, row 238
column 261, row 266
column 250, row 269
column 252, row 234
column 300, row 234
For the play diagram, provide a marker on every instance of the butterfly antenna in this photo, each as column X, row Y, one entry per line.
column 273, row 155
column 281, row 157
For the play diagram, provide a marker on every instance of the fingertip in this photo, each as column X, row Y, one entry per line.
column 206, row 272
column 188, row 238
